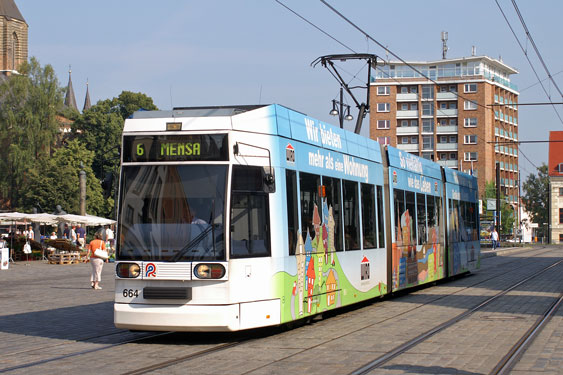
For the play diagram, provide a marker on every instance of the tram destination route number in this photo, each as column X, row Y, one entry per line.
column 159, row 148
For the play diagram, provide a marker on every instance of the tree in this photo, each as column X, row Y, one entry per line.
column 507, row 215
column 536, row 196
column 56, row 181
column 28, row 125
column 100, row 128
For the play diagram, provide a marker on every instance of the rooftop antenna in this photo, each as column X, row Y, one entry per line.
column 444, row 45
column 473, row 51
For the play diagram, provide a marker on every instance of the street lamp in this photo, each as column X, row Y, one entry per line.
column 340, row 113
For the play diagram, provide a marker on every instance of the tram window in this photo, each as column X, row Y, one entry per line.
column 368, row 216
column 250, row 228
column 440, row 215
column 399, row 204
column 333, row 198
column 351, row 216
column 410, row 207
column 380, row 224
column 431, row 214
column 421, row 219
column 250, row 232
column 292, row 214
column 309, row 196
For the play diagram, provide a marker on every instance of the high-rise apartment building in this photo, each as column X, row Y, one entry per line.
column 461, row 113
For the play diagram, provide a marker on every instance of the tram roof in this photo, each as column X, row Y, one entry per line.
column 272, row 119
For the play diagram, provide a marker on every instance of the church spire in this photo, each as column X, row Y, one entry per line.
column 87, row 104
column 70, row 100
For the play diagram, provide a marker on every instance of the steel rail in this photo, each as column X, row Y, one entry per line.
column 378, row 362
column 509, row 360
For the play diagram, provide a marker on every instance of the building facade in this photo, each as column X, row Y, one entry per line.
column 555, row 165
column 13, row 37
column 461, row 113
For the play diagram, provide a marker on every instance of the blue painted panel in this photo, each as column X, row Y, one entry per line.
column 409, row 162
column 310, row 130
column 461, row 178
column 282, row 118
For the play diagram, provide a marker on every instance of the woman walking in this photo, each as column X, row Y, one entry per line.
column 97, row 263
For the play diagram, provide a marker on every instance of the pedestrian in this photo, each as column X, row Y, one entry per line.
column 494, row 238
column 97, row 263
column 81, row 234
column 73, row 235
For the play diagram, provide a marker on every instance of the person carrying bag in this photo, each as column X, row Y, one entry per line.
column 97, row 253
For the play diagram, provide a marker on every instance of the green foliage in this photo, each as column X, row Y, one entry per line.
column 100, row 128
column 507, row 216
column 28, row 125
column 40, row 167
column 56, row 181
column 536, row 195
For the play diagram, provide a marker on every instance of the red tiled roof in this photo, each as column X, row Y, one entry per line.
column 555, row 153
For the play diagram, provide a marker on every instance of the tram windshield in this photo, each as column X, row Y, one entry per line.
column 172, row 213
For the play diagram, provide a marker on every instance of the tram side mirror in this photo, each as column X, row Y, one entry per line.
column 269, row 180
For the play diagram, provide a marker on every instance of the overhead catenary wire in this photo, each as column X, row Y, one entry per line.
column 368, row 37
column 528, row 59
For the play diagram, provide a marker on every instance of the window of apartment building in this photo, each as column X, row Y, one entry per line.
column 453, row 88
column 561, row 216
column 561, row 192
column 560, row 167
column 413, row 106
column 404, row 90
column 444, row 88
column 470, row 122
column 470, row 139
column 383, row 124
column 470, row 87
column 470, row 156
column 383, row 107
column 428, row 109
column 404, row 123
column 443, row 156
column 383, row 90
column 453, row 138
column 560, row 237
column 428, row 125
column 414, row 140
column 428, row 142
column 453, row 122
column 427, row 91
column 444, row 105
column 428, row 155
column 453, row 155
column 403, row 140
column 413, row 89
column 384, row 140
column 470, row 105
column 414, row 122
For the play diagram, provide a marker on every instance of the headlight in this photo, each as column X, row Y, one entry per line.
column 128, row 270
column 209, row 271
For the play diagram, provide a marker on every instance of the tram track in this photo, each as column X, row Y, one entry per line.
column 186, row 358
column 508, row 359
column 77, row 353
column 228, row 345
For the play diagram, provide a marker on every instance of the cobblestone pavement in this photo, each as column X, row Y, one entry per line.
column 48, row 311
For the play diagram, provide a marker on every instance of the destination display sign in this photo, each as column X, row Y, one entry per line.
column 193, row 147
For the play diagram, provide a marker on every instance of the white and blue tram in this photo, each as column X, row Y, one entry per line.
column 233, row 218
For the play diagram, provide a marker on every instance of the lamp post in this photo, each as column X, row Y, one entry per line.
column 82, row 187
column 340, row 113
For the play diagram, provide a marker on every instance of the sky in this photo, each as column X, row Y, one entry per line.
column 222, row 52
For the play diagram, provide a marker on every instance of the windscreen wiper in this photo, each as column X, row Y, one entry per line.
column 191, row 244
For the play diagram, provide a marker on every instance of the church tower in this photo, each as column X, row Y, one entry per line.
column 13, row 37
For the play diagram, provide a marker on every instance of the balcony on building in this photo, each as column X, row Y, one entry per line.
column 446, row 96
column 407, row 97
column 449, row 112
column 446, row 146
column 408, row 147
column 407, row 130
column 446, row 129
column 448, row 163
column 407, row 114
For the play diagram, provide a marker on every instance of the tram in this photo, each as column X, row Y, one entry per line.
column 233, row 218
